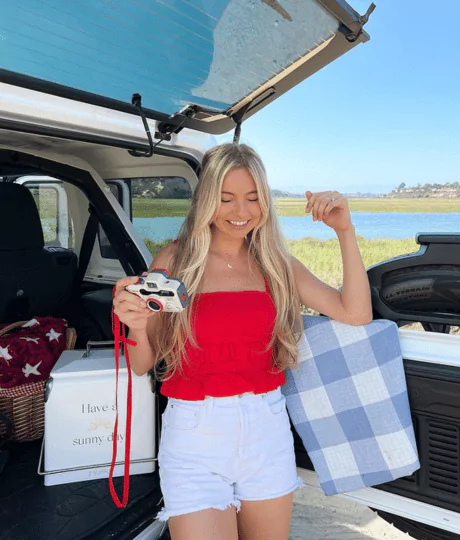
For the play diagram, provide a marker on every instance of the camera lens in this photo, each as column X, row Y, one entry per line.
column 154, row 306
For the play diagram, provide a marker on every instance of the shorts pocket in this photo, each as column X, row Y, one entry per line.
column 276, row 407
column 278, row 411
column 183, row 416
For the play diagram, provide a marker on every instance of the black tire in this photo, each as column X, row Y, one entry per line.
column 419, row 531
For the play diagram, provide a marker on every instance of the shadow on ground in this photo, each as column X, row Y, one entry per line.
column 317, row 517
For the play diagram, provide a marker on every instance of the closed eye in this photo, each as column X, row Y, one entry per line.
column 250, row 200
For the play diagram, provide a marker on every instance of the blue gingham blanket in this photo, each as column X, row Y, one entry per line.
column 347, row 399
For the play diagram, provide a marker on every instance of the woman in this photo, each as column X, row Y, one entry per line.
column 226, row 457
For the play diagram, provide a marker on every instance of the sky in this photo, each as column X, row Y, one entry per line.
column 386, row 112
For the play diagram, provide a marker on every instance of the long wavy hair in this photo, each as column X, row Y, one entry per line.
column 266, row 246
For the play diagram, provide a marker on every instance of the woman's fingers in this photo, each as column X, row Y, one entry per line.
column 134, row 317
column 320, row 204
column 124, row 282
column 318, row 207
column 314, row 203
column 310, row 202
column 124, row 296
column 129, row 308
column 330, row 206
column 131, row 313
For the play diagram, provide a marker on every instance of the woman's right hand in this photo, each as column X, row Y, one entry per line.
column 130, row 309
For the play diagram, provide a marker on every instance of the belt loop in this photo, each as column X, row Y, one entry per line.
column 209, row 401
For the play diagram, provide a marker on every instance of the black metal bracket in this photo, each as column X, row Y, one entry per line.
column 238, row 116
column 238, row 119
column 137, row 102
column 166, row 129
column 354, row 34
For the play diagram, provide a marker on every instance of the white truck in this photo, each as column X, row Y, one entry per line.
column 106, row 110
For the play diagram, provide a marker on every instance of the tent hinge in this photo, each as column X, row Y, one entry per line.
column 137, row 102
column 355, row 32
column 238, row 119
column 238, row 116
column 165, row 129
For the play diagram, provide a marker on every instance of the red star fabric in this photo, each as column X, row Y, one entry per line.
column 29, row 352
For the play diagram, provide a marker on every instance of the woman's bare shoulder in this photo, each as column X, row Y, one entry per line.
column 163, row 258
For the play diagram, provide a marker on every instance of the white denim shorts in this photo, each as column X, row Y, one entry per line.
column 218, row 451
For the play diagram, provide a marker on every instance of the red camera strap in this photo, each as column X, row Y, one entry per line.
column 119, row 334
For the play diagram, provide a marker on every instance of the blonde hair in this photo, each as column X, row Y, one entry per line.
column 266, row 246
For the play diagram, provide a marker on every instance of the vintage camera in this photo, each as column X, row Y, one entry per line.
column 160, row 291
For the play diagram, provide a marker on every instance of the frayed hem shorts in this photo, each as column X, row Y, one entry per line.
column 217, row 452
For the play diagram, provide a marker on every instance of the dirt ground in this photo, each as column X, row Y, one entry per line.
column 316, row 517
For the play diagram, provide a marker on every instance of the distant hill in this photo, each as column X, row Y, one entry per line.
column 450, row 190
column 278, row 194
column 179, row 188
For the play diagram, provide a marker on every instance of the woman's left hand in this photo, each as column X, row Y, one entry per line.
column 330, row 207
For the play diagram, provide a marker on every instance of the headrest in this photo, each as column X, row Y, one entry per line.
column 20, row 225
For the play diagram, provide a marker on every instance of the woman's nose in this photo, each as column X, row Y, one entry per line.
column 241, row 209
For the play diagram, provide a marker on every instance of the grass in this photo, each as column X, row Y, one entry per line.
column 296, row 207
column 144, row 208
column 323, row 258
column 149, row 208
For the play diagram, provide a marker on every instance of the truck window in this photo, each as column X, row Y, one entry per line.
column 51, row 199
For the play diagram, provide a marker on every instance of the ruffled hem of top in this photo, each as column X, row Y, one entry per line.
column 224, row 369
column 192, row 390
column 225, row 384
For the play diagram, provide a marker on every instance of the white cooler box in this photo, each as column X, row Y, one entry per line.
column 80, row 418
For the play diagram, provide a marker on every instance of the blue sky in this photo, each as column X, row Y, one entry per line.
column 385, row 113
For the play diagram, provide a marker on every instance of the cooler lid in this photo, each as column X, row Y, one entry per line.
column 76, row 364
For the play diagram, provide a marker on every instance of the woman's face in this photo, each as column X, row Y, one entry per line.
column 240, row 211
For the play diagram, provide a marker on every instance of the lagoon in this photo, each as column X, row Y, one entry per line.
column 394, row 225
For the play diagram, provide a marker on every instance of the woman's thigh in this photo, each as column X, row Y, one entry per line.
column 268, row 520
column 210, row 524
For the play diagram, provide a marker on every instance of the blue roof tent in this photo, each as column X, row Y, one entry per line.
column 220, row 55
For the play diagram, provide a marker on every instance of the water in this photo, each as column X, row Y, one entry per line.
column 392, row 225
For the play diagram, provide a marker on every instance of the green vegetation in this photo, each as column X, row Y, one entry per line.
column 322, row 257
column 296, row 207
column 144, row 208
column 154, row 247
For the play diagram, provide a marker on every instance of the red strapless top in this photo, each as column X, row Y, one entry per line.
column 232, row 328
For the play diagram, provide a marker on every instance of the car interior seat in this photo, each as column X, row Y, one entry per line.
column 35, row 280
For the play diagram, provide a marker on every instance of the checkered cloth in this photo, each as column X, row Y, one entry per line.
column 348, row 401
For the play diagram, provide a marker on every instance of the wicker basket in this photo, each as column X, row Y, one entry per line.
column 24, row 405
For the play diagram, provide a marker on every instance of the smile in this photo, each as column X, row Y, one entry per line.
column 239, row 224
